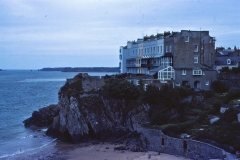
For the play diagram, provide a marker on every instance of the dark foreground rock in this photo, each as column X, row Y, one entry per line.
column 93, row 116
column 43, row 117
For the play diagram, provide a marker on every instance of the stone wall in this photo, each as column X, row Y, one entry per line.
column 188, row 148
column 89, row 83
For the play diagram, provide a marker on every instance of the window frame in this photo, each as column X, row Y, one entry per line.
column 228, row 61
column 197, row 72
column 186, row 38
column 195, row 59
column 195, row 48
column 184, row 72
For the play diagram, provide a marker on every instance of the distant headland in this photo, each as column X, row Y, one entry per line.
column 82, row 69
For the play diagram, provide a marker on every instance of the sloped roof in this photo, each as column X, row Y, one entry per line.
column 224, row 52
column 223, row 60
column 158, row 69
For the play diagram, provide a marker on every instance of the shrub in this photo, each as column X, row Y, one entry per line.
column 232, row 95
column 219, row 87
column 119, row 88
column 72, row 89
column 230, row 115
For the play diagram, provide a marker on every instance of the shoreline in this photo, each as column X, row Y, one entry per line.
column 104, row 151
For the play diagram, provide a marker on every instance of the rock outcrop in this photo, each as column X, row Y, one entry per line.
column 43, row 117
column 93, row 116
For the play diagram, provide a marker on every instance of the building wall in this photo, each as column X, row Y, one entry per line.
column 184, row 52
column 122, row 58
column 187, row 148
column 205, row 80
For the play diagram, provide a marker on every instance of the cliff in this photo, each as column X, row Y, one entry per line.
column 93, row 116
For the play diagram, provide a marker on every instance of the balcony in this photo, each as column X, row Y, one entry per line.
column 133, row 65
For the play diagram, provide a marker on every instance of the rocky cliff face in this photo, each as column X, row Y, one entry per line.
column 43, row 117
column 93, row 116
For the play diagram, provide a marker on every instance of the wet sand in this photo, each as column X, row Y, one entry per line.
column 105, row 151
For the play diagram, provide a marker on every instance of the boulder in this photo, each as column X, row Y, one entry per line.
column 43, row 117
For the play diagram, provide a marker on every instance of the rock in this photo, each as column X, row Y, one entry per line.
column 43, row 117
column 91, row 116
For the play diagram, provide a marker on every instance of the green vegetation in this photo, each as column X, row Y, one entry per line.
column 219, row 87
column 120, row 88
column 73, row 87
column 176, row 110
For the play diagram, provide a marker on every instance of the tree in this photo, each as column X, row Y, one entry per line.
column 219, row 87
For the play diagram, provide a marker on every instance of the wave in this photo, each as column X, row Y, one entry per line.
column 21, row 151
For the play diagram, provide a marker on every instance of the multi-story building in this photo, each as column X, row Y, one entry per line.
column 185, row 58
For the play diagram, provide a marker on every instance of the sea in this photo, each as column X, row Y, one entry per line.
column 21, row 93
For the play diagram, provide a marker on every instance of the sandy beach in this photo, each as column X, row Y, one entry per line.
column 106, row 151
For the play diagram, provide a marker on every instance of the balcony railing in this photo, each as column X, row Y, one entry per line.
column 133, row 65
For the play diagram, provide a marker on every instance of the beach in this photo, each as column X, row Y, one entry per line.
column 105, row 151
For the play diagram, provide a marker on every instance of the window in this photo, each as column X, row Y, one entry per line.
column 210, row 40
column 228, row 61
column 158, row 49
column 186, row 39
column 207, row 83
column 167, row 73
column 153, row 49
column 170, row 48
column 177, row 84
column 184, row 72
column 145, row 50
column 148, row 50
column 197, row 72
column 145, row 87
column 137, row 82
column 195, row 59
column 166, row 48
column 195, row 48
column 119, row 50
column 161, row 49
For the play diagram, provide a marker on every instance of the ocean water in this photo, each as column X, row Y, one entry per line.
column 21, row 93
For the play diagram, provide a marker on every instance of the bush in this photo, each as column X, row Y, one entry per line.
column 219, row 87
column 235, row 94
column 119, row 88
column 230, row 115
column 72, row 89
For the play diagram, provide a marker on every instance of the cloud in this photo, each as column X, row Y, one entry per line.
column 92, row 28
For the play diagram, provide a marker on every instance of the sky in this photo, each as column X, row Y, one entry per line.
column 88, row 33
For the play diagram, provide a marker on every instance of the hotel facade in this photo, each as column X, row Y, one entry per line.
column 184, row 58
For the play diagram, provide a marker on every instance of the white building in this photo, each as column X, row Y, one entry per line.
column 143, row 55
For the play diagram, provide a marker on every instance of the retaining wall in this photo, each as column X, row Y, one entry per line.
column 187, row 148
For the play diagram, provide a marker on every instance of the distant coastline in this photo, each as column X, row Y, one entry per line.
column 82, row 69
column 1, row 70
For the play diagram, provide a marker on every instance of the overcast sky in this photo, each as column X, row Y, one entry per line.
column 87, row 33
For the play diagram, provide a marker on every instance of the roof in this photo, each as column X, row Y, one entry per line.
column 224, row 52
column 223, row 60
column 158, row 68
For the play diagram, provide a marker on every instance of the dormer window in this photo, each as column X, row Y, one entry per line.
column 228, row 61
column 186, row 39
